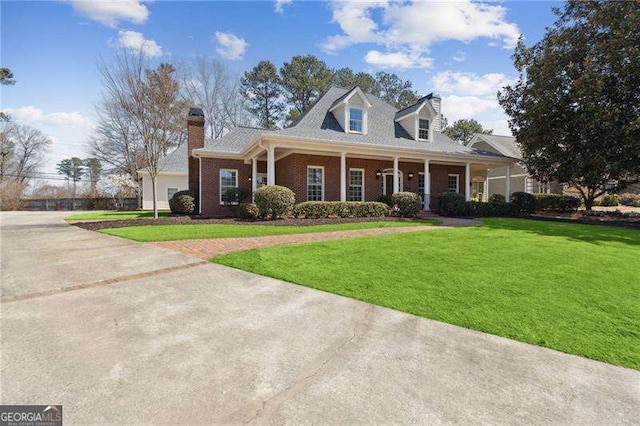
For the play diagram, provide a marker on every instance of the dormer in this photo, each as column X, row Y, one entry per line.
column 421, row 118
column 351, row 111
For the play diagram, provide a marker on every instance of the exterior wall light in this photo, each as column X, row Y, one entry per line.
column 378, row 174
column 410, row 175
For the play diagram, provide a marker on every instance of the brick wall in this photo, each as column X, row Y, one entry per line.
column 195, row 139
column 291, row 172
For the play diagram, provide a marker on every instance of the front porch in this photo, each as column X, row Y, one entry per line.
column 349, row 175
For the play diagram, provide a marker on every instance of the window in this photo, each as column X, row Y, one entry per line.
column 423, row 129
column 453, row 183
column 171, row 192
column 261, row 180
column 315, row 183
column 228, row 179
column 477, row 191
column 421, row 186
column 355, row 120
column 356, row 184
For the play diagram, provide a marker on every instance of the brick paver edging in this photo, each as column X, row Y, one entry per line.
column 141, row 275
column 210, row 247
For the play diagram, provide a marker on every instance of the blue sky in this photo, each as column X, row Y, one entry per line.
column 461, row 50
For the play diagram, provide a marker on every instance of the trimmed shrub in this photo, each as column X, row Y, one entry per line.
column 609, row 200
column 248, row 211
column 628, row 199
column 237, row 195
column 499, row 198
column 408, row 203
column 386, row 199
column 556, row 202
column 323, row 209
column 182, row 202
column 451, row 204
column 274, row 200
column 522, row 203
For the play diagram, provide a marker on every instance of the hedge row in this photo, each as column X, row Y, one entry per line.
column 322, row 209
column 453, row 204
column 556, row 202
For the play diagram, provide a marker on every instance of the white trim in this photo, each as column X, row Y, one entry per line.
column 312, row 144
column 343, row 176
column 348, row 123
column 199, row 186
column 345, row 101
column 417, row 112
column 504, row 177
column 315, row 167
column 457, row 175
column 387, row 172
column 220, row 182
column 349, row 183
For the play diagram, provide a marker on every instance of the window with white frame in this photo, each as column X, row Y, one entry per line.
column 423, row 129
column 228, row 179
column 355, row 120
column 171, row 192
column 477, row 191
column 315, row 183
column 421, row 185
column 356, row 185
column 453, row 183
column 261, row 180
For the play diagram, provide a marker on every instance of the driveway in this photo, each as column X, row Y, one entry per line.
column 158, row 336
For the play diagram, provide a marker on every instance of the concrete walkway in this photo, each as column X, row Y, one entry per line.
column 204, row 343
column 209, row 247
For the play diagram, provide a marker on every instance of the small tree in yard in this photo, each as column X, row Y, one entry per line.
column 575, row 109
column 150, row 99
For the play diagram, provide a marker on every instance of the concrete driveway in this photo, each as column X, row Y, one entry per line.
column 158, row 336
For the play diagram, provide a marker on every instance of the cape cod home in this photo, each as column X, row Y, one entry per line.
column 518, row 175
column 350, row 146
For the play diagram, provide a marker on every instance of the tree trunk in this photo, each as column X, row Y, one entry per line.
column 155, row 197
column 588, row 202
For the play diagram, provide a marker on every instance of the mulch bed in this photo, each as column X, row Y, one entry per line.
column 184, row 220
column 578, row 217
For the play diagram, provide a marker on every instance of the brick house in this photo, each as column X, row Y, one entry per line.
column 350, row 146
column 519, row 178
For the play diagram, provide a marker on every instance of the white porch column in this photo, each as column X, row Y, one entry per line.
column 467, row 181
column 271, row 165
column 254, row 175
column 343, row 176
column 427, row 185
column 396, row 181
column 485, row 188
column 508, row 184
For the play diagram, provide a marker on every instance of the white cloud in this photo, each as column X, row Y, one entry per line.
column 469, row 83
column 415, row 26
column 110, row 13
column 34, row 115
column 455, row 107
column 230, row 46
column 135, row 41
column 397, row 60
column 460, row 56
column 499, row 127
column 280, row 4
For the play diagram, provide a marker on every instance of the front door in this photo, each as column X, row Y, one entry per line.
column 388, row 184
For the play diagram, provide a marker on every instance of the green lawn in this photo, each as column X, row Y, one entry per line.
column 570, row 287
column 192, row 231
column 114, row 215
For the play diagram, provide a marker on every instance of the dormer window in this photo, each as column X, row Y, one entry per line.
column 423, row 129
column 355, row 120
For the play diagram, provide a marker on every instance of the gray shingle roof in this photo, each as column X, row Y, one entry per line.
column 320, row 124
column 175, row 161
column 506, row 145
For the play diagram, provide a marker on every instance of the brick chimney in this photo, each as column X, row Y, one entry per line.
column 435, row 101
column 195, row 140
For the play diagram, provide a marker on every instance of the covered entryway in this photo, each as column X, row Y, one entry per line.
column 387, row 183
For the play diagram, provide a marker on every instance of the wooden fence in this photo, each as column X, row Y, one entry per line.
column 103, row 203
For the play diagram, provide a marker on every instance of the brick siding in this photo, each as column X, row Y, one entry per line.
column 291, row 172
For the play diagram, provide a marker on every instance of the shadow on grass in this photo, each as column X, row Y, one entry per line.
column 595, row 234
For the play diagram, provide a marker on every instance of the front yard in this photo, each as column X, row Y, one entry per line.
column 570, row 287
column 152, row 232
